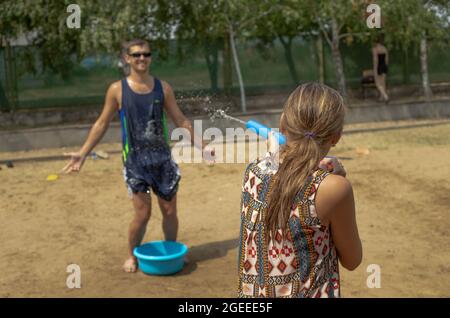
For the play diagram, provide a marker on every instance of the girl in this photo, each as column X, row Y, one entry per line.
column 298, row 220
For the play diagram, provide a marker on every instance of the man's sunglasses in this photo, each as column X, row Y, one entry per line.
column 139, row 54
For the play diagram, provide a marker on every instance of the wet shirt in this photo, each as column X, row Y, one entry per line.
column 143, row 132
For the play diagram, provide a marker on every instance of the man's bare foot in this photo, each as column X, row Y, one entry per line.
column 130, row 265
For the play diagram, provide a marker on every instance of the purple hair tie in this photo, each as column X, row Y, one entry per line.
column 309, row 134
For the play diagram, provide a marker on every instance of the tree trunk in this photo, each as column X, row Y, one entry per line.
column 338, row 65
column 10, row 79
column 320, row 58
column 424, row 67
column 211, row 56
column 238, row 69
column 287, row 45
column 405, row 64
column 4, row 103
column 227, row 71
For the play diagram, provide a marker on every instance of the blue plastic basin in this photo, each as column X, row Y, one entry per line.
column 161, row 257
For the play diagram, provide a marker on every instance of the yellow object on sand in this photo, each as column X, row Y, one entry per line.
column 362, row 151
column 52, row 177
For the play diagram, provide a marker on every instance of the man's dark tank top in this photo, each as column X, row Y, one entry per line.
column 144, row 132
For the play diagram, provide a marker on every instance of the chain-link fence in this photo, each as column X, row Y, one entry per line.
column 194, row 71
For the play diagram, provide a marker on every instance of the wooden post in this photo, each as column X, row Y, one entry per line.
column 238, row 70
column 424, row 67
column 10, row 77
column 227, row 71
column 4, row 103
column 320, row 58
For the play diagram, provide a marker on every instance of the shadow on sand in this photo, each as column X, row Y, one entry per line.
column 207, row 251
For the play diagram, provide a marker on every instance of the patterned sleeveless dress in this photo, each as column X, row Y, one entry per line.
column 304, row 263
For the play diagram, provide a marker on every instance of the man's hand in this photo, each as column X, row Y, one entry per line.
column 209, row 154
column 75, row 163
column 332, row 164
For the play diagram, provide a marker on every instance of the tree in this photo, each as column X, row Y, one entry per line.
column 240, row 16
column 103, row 26
column 415, row 23
column 44, row 23
column 197, row 23
column 285, row 24
column 109, row 23
column 213, row 19
column 337, row 20
column 432, row 16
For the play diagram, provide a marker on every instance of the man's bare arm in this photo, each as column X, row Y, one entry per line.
column 179, row 119
column 97, row 131
column 102, row 123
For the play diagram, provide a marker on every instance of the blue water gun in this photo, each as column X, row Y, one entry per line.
column 263, row 131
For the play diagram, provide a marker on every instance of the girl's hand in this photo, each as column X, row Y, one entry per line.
column 333, row 165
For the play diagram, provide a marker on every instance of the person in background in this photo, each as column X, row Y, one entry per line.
column 380, row 57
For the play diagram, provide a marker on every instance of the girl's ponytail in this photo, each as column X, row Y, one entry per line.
column 312, row 114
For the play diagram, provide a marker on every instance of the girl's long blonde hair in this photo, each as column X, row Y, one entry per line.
column 312, row 115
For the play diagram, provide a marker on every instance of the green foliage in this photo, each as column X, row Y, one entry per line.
column 204, row 24
column 405, row 20
column 44, row 21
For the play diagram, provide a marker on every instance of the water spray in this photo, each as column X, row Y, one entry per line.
column 257, row 127
column 263, row 131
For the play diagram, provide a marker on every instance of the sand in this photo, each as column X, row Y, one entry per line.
column 401, row 188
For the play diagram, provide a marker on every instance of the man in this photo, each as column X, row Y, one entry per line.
column 141, row 100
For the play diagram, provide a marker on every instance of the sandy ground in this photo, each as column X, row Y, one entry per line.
column 402, row 196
